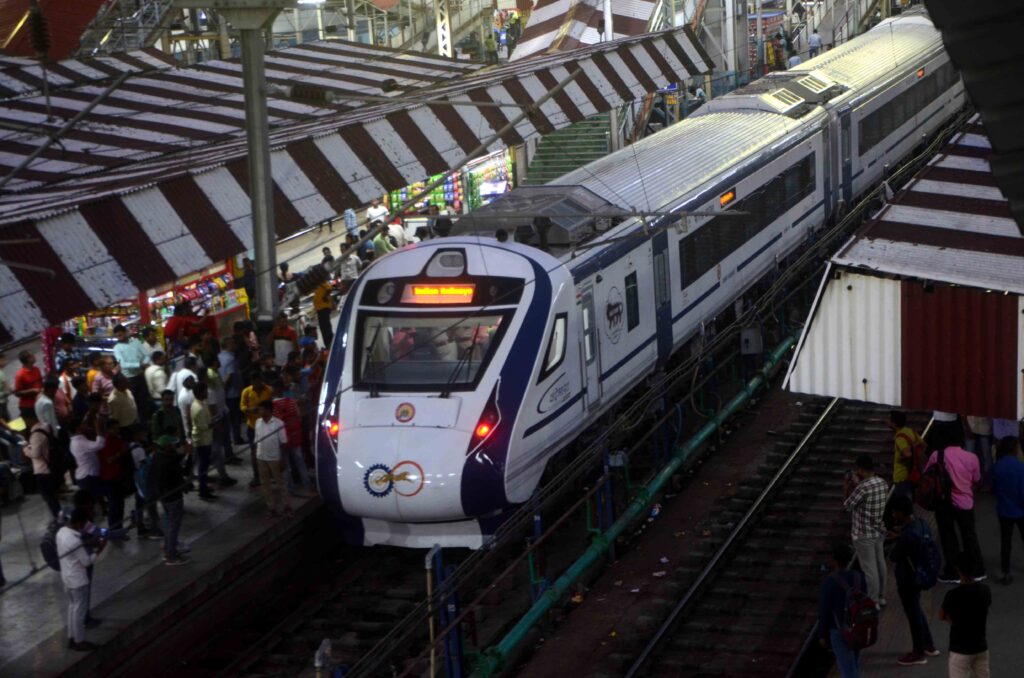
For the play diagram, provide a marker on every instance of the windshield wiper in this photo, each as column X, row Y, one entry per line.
column 374, row 388
column 467, row 357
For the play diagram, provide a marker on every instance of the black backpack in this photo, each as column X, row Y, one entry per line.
column 48, row 546
column 936, row 487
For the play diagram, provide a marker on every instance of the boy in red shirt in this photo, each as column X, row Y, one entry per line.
column 287, row 410
column 28, row 382
column 112, row 474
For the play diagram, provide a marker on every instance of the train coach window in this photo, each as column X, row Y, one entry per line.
column 556, row 347
column 877, row 125
column 632, row 303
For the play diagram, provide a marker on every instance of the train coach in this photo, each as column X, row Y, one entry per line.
column 463, row 364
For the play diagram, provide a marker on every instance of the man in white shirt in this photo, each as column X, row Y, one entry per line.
column 179, row 377
column 75, row 559
column 376, row 212
column 86, row 453
column 156, row 377
column 270, row 438
column 149, row 343
column 45, row 411
column 185, row 399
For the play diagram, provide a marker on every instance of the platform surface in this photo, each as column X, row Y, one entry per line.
column 132, row 587
column 1004, row 620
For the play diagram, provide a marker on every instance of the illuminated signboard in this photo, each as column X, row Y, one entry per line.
column 438, row 294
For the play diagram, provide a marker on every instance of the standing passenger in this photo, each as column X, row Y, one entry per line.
column 75, row 559
column 1008, row 483
column 270, row 441
column 907, row 555
column 966, row 608
column 832, row 607
column 865, row 498
column 957, row 513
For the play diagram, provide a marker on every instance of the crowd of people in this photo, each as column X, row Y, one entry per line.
column 155, row 422
column 940, row 474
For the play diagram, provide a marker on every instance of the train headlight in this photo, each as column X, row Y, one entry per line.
column 386, row 292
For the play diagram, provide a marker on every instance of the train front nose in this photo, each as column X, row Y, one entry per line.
column 402, row 473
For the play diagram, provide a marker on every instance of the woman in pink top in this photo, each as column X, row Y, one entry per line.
column 957, row 514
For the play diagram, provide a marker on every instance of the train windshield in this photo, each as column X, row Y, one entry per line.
column 425, row 352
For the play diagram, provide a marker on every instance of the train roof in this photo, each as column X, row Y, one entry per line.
column 876, row 54
column 655, row 173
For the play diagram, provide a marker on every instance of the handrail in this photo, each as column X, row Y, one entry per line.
column 727, row 545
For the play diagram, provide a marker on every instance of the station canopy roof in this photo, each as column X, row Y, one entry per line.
column 924, row 307
column 153, row 183
column 557, row 25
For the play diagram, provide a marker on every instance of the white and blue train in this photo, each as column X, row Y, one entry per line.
column 463, row 364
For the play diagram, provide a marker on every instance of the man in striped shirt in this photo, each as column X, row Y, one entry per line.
column 865, row 495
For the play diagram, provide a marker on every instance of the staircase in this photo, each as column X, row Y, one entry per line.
column 123, row 25
column 569, row 148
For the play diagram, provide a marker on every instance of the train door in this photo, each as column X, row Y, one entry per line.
column 846, row 154
column 662, row 296
column 589, row 349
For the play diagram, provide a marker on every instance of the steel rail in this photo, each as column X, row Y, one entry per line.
column 724, row 550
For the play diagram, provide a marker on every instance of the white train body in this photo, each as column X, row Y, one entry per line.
column 463, row 364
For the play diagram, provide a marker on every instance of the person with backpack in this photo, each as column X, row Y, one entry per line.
column 908, row 455
column 956, row 473
column 865, row 494
column 966, row 609
column 840, row 592
column 41, row 440
column 1008, row 483
column 75, row 559
column 916, row 563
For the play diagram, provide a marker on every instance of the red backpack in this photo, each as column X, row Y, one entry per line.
column 915, row 465
column 859, row 625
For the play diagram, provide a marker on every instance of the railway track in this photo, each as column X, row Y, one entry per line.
column 750, row 597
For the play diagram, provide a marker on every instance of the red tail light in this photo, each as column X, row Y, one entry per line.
column 489, row 420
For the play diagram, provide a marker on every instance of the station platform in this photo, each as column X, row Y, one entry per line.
column 141, row 601
column 1005, row 648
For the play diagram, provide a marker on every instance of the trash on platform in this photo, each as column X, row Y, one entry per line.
column 659, row 573
column 680, row 533
column 655, row 510
column 613, row 634
column 577, row 598
column 706, row 533
column 634, row 590
column 617, row 582
column 663, row 560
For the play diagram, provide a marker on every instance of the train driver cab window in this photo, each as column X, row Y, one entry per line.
column 556, row 347
column 426, row 351
column 632, row 302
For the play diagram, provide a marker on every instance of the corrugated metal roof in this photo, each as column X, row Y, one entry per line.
column 557, row 25
column 23, row 76
column 924, row 307
column 983, row 38
column 88, row 200
column 950, row 223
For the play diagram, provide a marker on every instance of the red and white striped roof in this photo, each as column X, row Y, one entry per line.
column 951, row 223
column 23, row 76
column 558, row 25
column 924, row 307
column 154, row 183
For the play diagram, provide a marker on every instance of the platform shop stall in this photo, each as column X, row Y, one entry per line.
column 478, row 183
column 210, row 292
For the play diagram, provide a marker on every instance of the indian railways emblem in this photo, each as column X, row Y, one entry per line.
column 406, row 479
column 404, row 413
